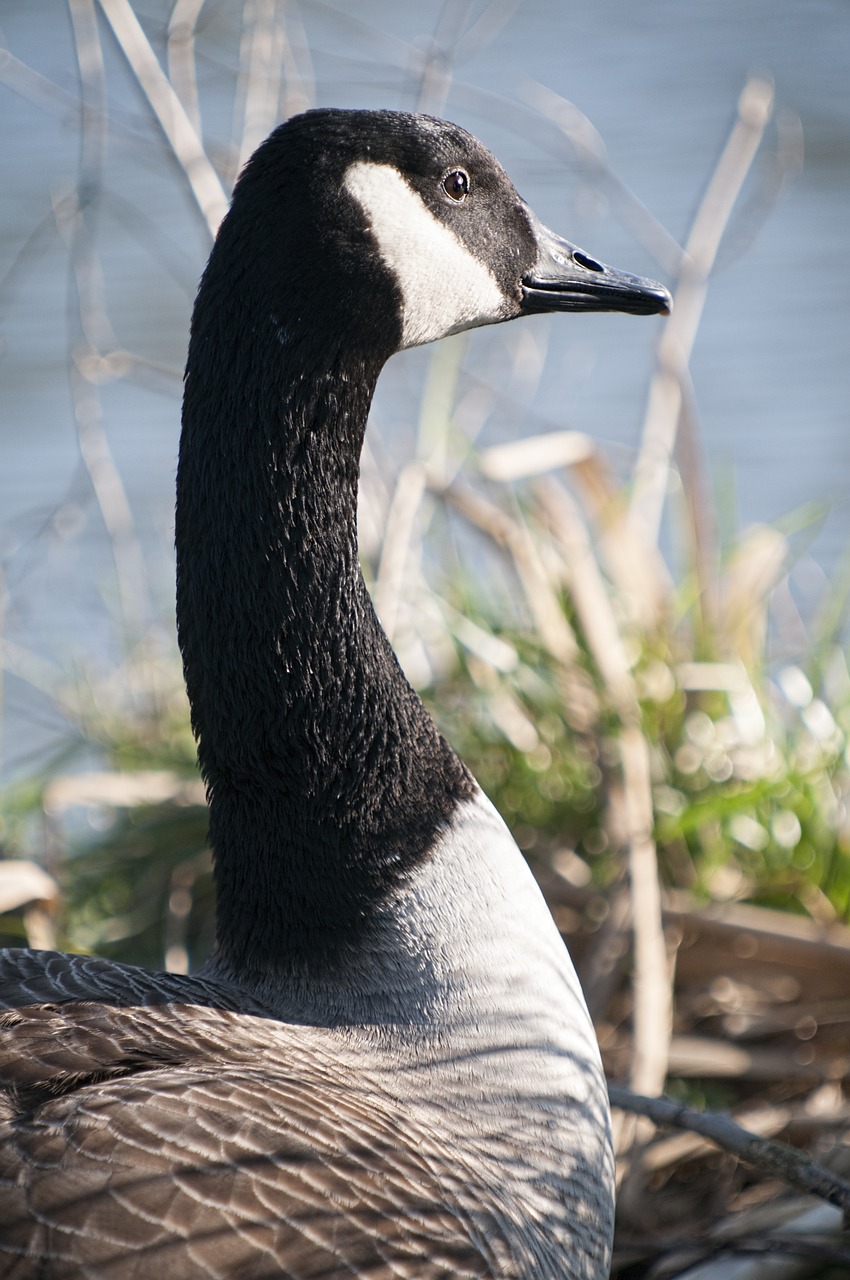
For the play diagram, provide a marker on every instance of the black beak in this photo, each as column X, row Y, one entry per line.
column 565, row 278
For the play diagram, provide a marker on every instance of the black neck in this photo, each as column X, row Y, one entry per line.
column 327, row 778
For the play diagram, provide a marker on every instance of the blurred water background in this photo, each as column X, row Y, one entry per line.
column 659, row 81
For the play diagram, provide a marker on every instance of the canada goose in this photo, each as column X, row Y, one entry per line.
column 387, row 1068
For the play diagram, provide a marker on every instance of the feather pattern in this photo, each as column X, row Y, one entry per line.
column 183, row 1123
column 200, row 1141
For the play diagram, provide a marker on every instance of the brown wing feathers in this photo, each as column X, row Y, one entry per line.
column 123, row 1154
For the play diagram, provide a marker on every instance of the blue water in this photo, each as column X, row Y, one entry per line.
column 659, row 81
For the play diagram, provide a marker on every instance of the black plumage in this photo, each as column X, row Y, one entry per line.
column 386, row 1069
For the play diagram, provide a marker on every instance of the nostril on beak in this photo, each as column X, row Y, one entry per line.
column 588, row 263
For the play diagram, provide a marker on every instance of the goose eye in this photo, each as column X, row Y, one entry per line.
column 456, row 185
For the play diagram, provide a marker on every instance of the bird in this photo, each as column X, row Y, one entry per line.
column 386, row 1068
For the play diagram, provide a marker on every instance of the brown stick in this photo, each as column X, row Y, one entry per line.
column 653, row 1001
column 169, row 111
column 665, row 397
column 775, row 1158
column 182, row 68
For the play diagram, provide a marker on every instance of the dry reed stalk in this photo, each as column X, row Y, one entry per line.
column 401, row 523
column 431, row 468
column 299, row 85
column 36, row 88
column 579, row 698
column 635, row 565
column 438, row 58
column 113, row 789
column 604, row 962
column 531, row 456
column 751, row 572
column 179, row 912
column 95, row 119
column 553, row 628
column 94, row 447
column 665, row 398
column 587, row 145
column 169, row 111
column 260, row 74
column 653, row 1004
column 26, row 887
column 701, row 532
column 180, row 51
column 4, row 601
column 436, row 408
column 493, row 651
column 801, row 1243
column 22, row 882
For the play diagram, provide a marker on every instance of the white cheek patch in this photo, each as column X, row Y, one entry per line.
column 443, row 286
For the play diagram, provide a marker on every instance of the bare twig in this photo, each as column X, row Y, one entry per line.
column 665, row 397
column 260, row 62
column 535, row 454
column 182, row 69
column 635, row 565
column 169, row 111
column 775, row 1158
column 553, row 627
column 587, row 145
column 400, row 524
column 438, row 63
column 95, row 122
column 26, row 887
column 36, row 88
column 636, row 568
column 580, row 701
column 113, row 789
column 94, row 447
column 299, row 86
column 94, row 321
column 653, row 1003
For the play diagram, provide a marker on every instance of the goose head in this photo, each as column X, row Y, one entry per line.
column 385, row 230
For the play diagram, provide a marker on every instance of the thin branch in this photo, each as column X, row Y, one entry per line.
column 94, row 447
column 553, row 628
column 439, row 57
column 169, row 111
column 531, row 456
column 398, row 537
column 260, row 61
column 182, row 68
column 299, row 81
column 775, row 1158
column 665, row 397
column 94, row 132
column 36, row 88
column 653, row 1000
column 589, row 149
column 635, row 565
